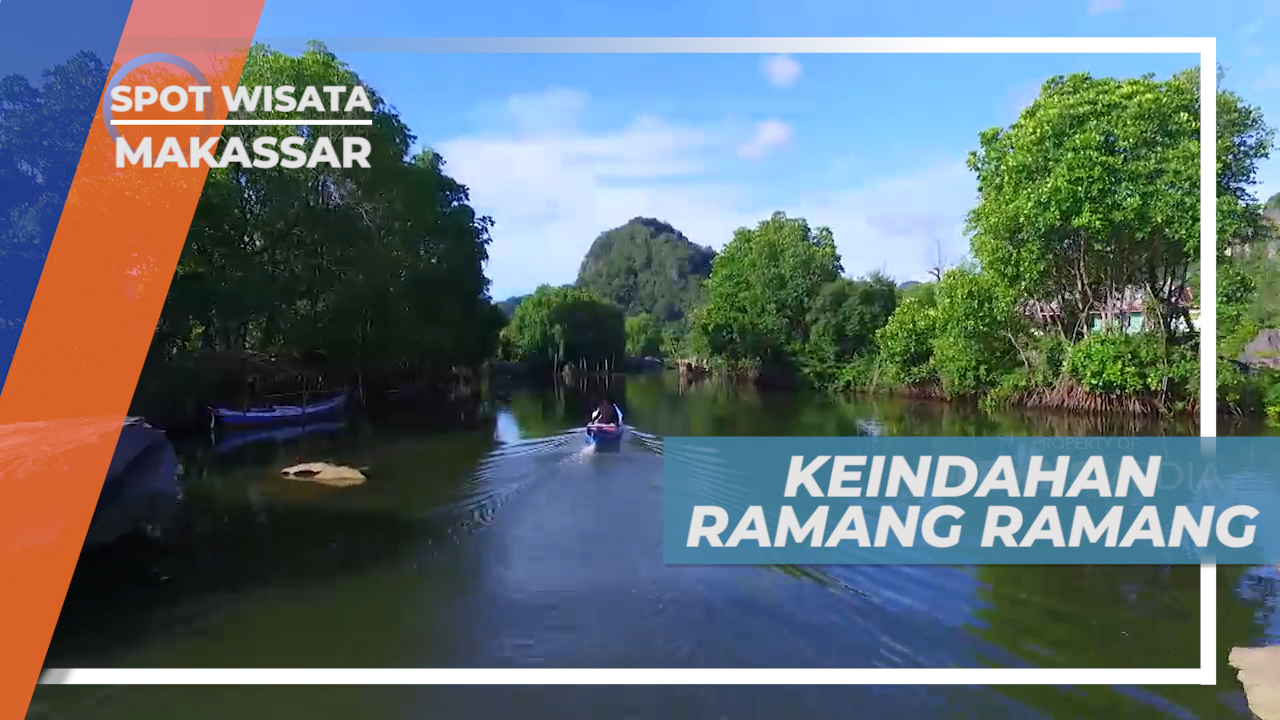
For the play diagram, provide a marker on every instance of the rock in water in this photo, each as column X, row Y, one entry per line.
column 325, row 474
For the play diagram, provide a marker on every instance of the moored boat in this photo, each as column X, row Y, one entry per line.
column 280, row 414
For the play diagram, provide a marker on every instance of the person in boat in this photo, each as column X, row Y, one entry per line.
column 605, row 415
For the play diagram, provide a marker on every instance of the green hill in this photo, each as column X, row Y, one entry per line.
column 647, row 266
column 509, row 305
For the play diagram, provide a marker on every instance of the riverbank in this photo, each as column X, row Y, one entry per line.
column 177, row 394
column 1017, row 390
column 1248, row 394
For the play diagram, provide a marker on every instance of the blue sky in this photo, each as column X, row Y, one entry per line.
column 558, row 148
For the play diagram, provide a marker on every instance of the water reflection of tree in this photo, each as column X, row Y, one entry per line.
column 665, row 405
column 931, row 418
column 710, row 407
column 1246, row 427
column 538, row 414
column 551, row 409
column 1128, row 616
column 250, row 530
column 1260, row 589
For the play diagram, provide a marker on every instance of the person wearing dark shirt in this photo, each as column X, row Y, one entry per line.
column 605, row 414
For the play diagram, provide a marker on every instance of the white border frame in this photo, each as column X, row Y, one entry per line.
column 1206, row 674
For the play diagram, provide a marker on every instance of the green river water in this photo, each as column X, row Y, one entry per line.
column 508, row 546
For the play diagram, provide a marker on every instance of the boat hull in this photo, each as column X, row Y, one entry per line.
column 597, row 436
column 279, row 414
column 141, row 491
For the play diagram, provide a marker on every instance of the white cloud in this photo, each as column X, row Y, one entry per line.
column 898, row 223
column 769, row 134
column 781, row 70
column 553, row 191
column 1098, row 7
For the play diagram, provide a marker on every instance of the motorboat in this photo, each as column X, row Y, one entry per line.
column 606, row 434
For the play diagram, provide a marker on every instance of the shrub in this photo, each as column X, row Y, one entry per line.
column 1117, row 364
column 906, row 342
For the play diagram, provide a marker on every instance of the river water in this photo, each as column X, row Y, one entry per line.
column 508, row 546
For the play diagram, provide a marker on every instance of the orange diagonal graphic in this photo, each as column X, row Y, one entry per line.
column 88, row 331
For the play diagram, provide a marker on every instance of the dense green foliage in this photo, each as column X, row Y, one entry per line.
column 977, row 329
column 644, row 336
column 760, row 291
column 381, row 269
column 843, row 320
column 1092, row 192
column 40, row 147
column 1087, row 218
column 557, row 326
column 1249, row 302
column 906, row 340
column 1248, row 238
column 646, row 266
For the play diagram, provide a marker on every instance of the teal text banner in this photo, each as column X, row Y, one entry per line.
column 970, row 500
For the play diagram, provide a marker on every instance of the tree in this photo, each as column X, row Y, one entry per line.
column 381, row 269
column 926, row 292
column 977, row 331
column 847, row 314
column 556, row 326
column 1094, row 191
column 42, row 133
column 761, row 287
column 906, row 342
column 644, row 336
column 843, row 321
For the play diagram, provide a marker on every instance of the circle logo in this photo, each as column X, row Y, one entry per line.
column 150, row 58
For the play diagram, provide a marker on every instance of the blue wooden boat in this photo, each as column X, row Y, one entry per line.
column 279, row 414
column 606, row 435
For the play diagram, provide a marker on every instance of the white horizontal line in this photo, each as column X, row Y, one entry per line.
column 986, row 45
column 621, row 676
column 197, row 122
